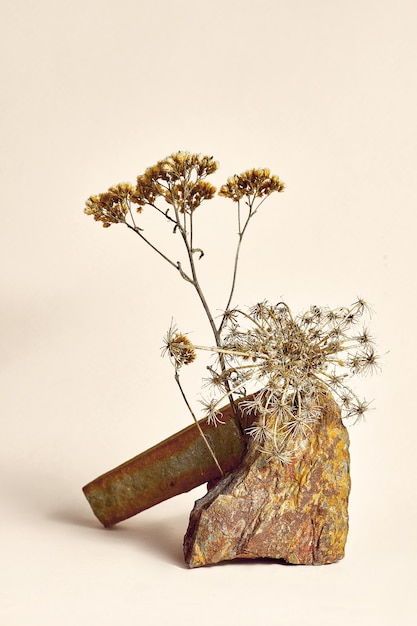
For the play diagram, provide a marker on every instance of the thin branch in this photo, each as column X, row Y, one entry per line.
column 183, row 274
column 210, row 449
column 164, row 213
column 138, row 232
column 236, row 263
column 129, row 206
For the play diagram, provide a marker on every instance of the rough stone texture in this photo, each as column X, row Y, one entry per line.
column 297, row 513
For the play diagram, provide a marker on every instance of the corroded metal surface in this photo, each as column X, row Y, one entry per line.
column 297, row 513
column 174, row 466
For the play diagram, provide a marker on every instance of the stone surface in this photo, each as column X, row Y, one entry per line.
column 297, row 513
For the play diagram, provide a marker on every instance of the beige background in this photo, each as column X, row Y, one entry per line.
column 322, row 92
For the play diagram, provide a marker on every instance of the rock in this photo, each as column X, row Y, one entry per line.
column 297, row 513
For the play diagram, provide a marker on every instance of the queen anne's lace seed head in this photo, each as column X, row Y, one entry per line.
column 288, row 361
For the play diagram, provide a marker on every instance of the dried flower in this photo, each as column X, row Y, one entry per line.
column 112, row 206
column 260, row 433
column 182, row 165
column 187, row 196
column 179, row 348
column 179, row 180
column 212, row 413
column 287, row 361
column 255, row 183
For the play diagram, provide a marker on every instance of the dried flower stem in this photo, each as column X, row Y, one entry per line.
column 241, row 232
column 210, row 449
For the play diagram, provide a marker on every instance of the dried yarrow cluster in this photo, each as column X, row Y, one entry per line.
column 112, row 206
column 179, row 181
column 284, row 362
column 255, row 181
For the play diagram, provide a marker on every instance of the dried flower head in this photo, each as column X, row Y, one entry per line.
column 179, row 180
column 212, row 413
column 287, row 361
column 178, row 347
column 182, row 165
column 187, row 196
column 112, row 206
column 255, row 183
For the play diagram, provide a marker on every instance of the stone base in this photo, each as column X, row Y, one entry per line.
column 296, row 513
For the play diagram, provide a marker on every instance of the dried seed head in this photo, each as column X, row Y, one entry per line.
column 287, row 361
column 212, row 413
column 179, row 348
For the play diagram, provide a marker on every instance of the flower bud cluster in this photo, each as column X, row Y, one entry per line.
column 257, row 183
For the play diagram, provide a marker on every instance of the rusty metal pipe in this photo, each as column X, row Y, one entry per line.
column 174, row 466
